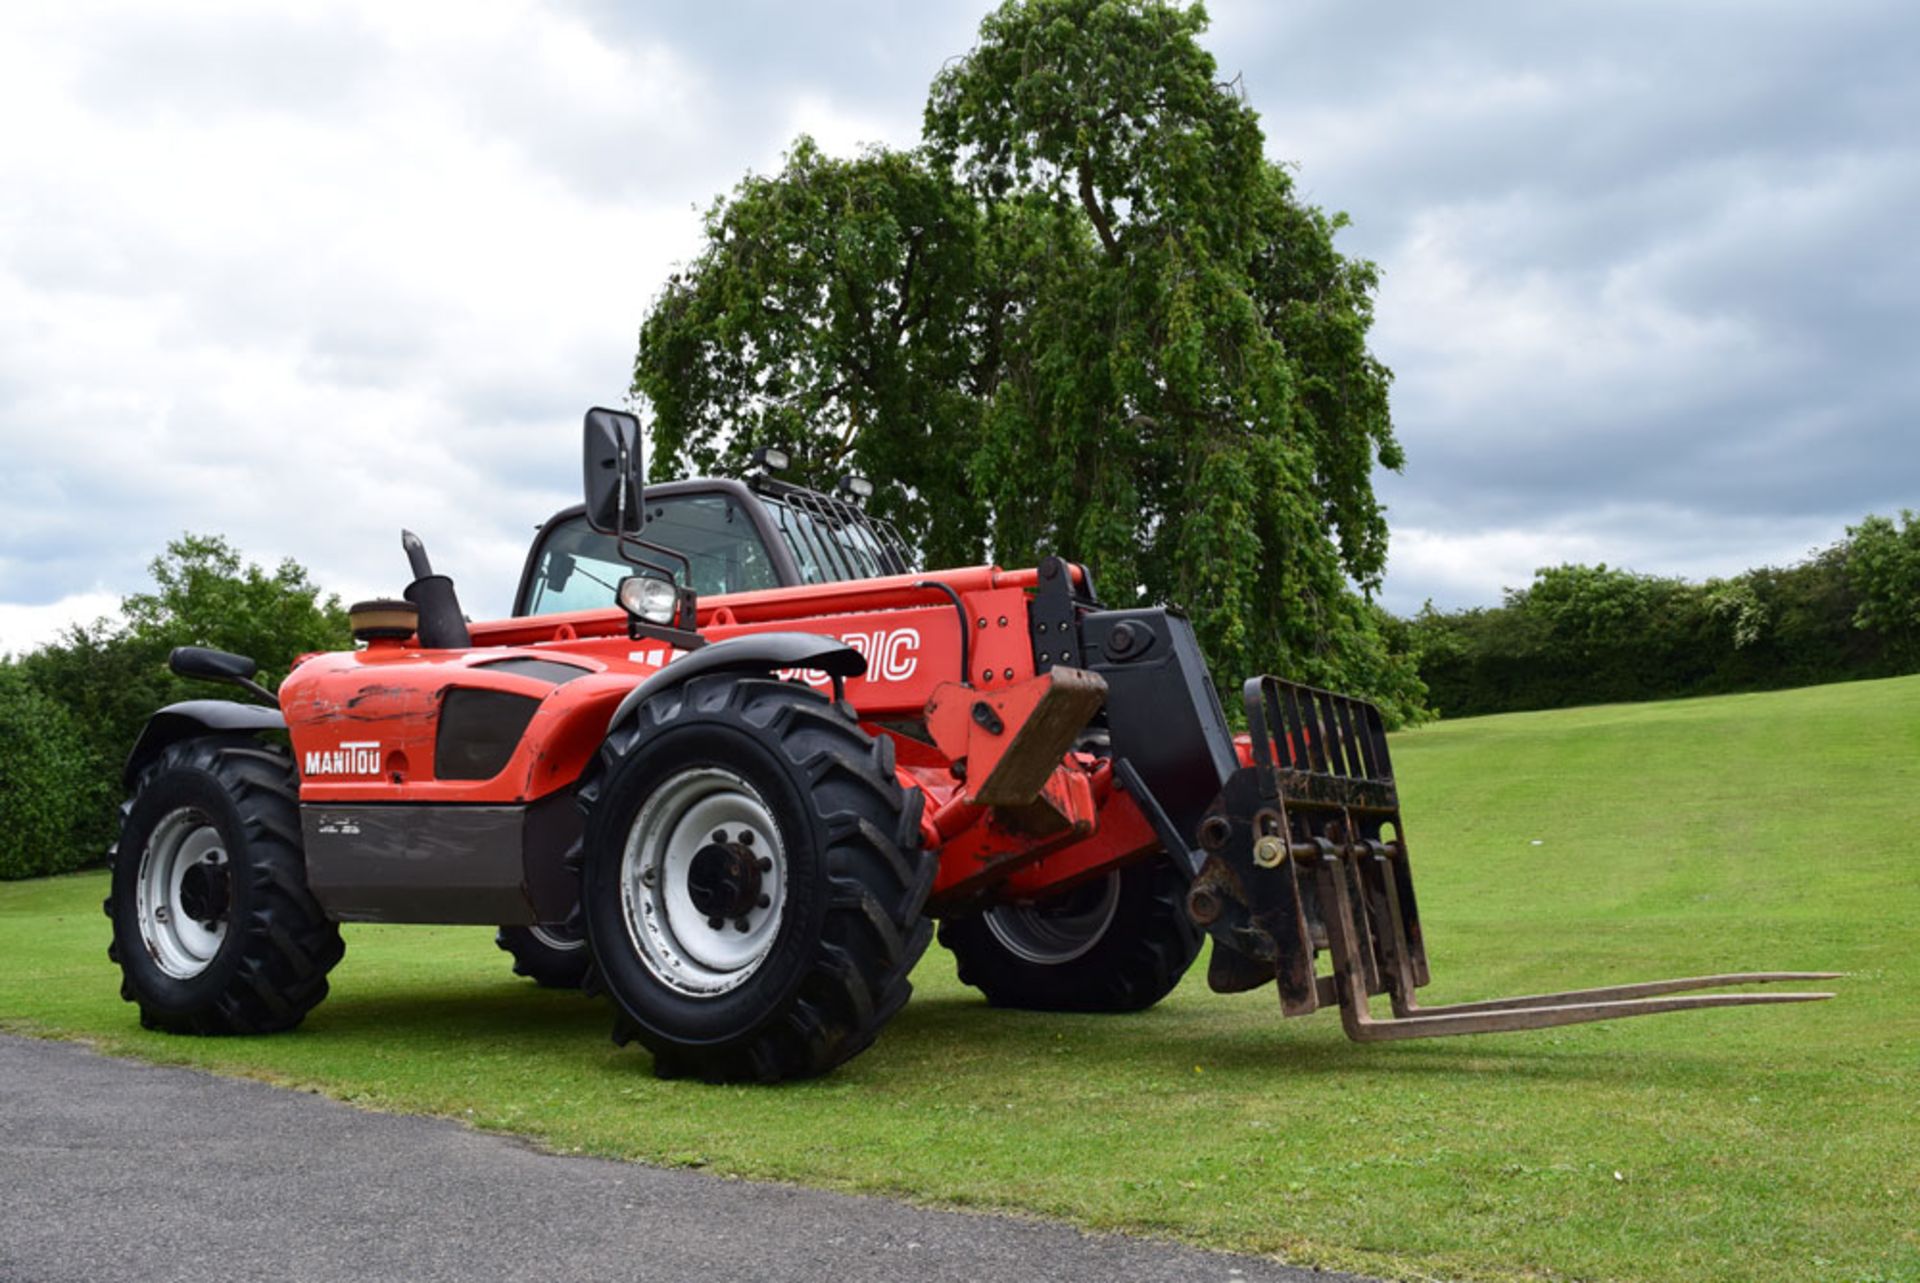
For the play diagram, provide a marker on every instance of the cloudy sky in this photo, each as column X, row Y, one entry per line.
column 300, row 276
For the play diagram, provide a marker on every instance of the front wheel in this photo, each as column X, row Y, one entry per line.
column 1118, row 943
column 213, row 926
column 752, row 880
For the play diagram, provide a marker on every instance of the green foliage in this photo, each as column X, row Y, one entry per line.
column 1592, row 634
column 109, row 676
column 49, row 793
column 832, row 313
column 1588, row 609
column 109, row 682
column 1739, row 604
column 1192, row 408
column 205, row 596
column 1086, row 317
column 1381, row 658
column 1883, row 566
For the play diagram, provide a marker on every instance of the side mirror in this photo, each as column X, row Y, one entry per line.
column 559, row 569
column 210, row 665
column 219, row 666
column 613, row 472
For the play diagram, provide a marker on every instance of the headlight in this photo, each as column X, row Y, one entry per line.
column 648, row 598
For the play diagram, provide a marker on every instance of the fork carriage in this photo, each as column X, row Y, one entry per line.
column 1306, row 853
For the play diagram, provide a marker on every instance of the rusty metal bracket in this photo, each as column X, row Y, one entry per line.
column 1013, row 738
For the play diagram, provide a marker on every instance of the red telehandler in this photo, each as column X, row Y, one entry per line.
column 732, row 759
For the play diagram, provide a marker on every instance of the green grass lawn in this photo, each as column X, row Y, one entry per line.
column 1761, row 831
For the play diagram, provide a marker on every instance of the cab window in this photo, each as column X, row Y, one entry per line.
column 578, row 568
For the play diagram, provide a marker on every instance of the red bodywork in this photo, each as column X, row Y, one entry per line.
column 364, row 723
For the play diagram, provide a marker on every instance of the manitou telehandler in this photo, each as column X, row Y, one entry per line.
column 731, row 760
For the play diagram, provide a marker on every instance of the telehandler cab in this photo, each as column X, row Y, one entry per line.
column 734, row 756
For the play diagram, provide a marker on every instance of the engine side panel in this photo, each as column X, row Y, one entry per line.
column 426, row 863
column 368, row 726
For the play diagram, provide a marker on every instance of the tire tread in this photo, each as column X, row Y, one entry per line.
column 1150, row 945
column 287, row 944
column 878, row 877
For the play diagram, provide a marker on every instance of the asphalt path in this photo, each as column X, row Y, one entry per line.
column 111, row 1169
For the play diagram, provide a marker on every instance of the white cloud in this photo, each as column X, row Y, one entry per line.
column 846, row 133
column 24, row 627
column 1549, row 341
column 1473, row 565
column 306, row 326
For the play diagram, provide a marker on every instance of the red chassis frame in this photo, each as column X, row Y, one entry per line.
column 363, row 723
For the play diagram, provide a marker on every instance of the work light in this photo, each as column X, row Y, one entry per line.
column 648, row 598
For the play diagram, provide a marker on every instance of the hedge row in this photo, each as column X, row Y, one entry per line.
column 1594, row 634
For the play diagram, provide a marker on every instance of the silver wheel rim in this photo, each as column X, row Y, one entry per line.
column 184, row 850
column 1051, row 933
column 557, row 939
column 690, row 814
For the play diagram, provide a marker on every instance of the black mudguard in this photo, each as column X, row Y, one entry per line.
column 197, row 717
column 754, row 653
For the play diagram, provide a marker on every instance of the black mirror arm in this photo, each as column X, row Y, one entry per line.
column 203, row 664
column 258, row 691
column 686, row 562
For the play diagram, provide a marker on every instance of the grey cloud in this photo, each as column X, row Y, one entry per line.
column 1708, row 205
column 874, row 54
column 235, row 63
column 755, row 60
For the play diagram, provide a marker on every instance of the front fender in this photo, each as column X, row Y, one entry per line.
column 754, row 653
column 196, row 717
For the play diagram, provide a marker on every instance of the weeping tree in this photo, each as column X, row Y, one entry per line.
column 832, row 313
column 1086, row 316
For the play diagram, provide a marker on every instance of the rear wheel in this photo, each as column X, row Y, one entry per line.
column 1119, row 943
column 213, row 926
column 752, row 880
column 552, row 955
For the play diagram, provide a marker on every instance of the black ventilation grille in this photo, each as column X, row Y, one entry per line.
column 479, row 730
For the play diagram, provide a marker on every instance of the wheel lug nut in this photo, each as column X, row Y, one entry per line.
column 763, row 903
column 742, row 924
column 720, row 836
column 765, row 864
column 746, row 837
column 715, row 922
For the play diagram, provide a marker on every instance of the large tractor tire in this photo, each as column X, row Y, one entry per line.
column 1119, row 943
column 553, row 956
column 752, row 880
column 213, row 926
